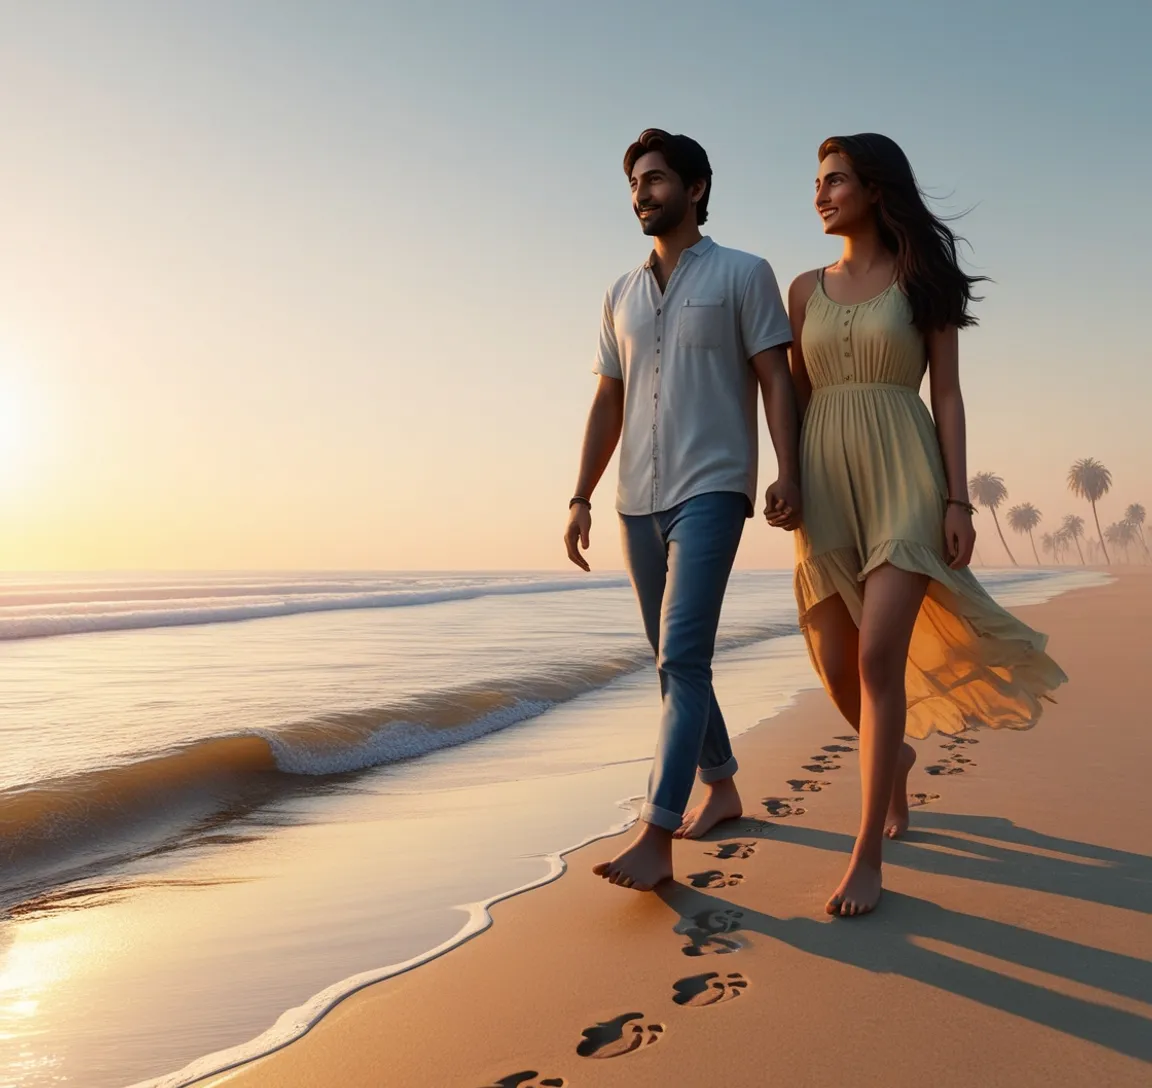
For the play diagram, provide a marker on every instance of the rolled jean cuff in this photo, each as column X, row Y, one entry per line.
column 661, row 817
column 717, row 774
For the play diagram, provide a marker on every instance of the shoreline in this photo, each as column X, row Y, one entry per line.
column 258, row 912
column 788, row 686
column 249, row 1070
column 295, row 1023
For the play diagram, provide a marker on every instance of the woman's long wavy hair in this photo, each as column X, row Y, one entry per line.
column 927, row 267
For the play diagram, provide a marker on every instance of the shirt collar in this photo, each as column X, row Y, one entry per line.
column 698, row 250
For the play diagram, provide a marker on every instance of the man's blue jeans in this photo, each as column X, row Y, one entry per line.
column 679, row 561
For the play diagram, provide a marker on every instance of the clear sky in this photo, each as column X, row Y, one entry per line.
column 316, row 284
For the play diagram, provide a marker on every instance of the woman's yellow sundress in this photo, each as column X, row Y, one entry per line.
column 874, row 490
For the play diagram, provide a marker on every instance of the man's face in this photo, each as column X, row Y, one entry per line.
column 659, row 198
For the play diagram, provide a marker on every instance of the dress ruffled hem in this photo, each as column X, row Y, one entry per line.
column 971, row 663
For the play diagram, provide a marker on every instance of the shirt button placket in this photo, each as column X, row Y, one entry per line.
column 656, row 410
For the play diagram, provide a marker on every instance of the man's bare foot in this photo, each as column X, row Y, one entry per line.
column 722, row 803
column 896, row 822
column 859, row 891
column 644, row 864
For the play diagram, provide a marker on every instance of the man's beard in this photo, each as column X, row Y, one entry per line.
column 664, row 221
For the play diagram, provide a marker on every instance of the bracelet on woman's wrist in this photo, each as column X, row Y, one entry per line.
column 963, row 503
column 579, row 499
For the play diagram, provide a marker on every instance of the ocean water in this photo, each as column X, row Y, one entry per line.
column 227, row 797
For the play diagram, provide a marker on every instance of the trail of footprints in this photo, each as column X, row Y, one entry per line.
column 715, row 932
column 953, row 764
column 826, row 761
column 711, row 932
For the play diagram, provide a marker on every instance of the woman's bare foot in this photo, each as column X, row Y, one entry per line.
column 644, row 864
column 896, row 822
column 859, row 891
column 722, row 803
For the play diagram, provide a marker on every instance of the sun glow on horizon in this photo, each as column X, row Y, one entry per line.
column 15, row 430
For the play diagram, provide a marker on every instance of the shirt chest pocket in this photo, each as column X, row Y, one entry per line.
column 702, row 322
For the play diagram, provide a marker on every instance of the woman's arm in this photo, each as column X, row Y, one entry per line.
column 798, row 295
column 948, row 408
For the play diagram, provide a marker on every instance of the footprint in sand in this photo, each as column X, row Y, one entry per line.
column 806, row 785
column 612, row 1038
column 528, row 1079
column 957, row 742
column 944, row 767
column 837, row 748
column 821, row 768
column 706, row 932
column 851, row 737
column 726, row 851
column 713, row 878
column 710, row 946
column 780, row 807
column 709, row 989
column 915, row 800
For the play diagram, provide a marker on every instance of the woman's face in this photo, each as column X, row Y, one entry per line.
column 843, row 203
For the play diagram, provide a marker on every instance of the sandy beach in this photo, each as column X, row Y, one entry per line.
column 1011, row 946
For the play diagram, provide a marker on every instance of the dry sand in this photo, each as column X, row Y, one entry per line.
column 1012, row 945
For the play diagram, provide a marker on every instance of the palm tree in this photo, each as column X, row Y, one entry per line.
column 1060, row 542
column 988, row 490
column 1126, row 537
column 1112, row 534
column 1073, row 529
column 1121, row 534
column 1089, row 479
column 1023, row 519
column 1135, row 516
column 1048, row 545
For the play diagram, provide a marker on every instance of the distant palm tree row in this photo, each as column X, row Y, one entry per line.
column 1088, row 479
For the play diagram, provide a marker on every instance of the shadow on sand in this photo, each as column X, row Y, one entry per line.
column 938, row 843
column 888, row 941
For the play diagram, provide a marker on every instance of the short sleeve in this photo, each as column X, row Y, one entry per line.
column 763, row 319
column 608, row 352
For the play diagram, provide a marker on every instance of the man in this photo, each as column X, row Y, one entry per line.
column 684, row 340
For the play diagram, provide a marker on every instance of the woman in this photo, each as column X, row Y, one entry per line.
column 900, row 631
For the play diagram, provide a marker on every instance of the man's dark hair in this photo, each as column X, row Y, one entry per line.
column 684, row 156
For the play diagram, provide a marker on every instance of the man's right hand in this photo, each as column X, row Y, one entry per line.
column 576, row 535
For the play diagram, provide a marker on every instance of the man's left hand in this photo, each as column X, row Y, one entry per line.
column 782, row 505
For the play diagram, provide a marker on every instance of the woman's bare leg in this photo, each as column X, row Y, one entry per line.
column 892, row 599
column 835, row 643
